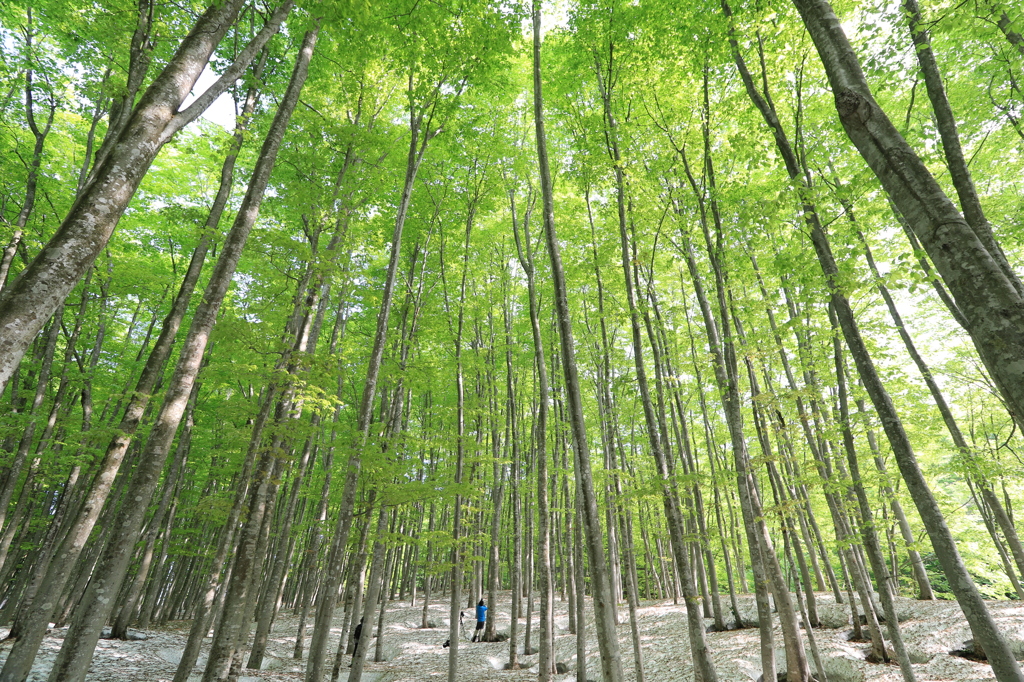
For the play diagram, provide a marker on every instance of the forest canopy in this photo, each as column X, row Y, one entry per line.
column 315, row 304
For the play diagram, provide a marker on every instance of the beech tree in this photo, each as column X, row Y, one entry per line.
column 28, row 302
column 598, row 306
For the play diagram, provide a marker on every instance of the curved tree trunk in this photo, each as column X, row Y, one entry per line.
column 32, row 180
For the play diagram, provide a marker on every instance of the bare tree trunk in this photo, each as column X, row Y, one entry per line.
column 990, row 302
column 512, row 439
column 611, row 665
column 76, row 653
column 29, row 301
column 493, row 561
column 378, row 652
column 632, row 590
column 457, row 557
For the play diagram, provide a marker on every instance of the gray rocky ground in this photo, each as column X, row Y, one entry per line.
column 931, row 629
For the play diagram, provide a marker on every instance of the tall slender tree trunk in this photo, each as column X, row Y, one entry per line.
column 419, row 138
column 512, row 439
column 658, row 442
column 545, row 579
column 76, row 653
column 604, row 616
column 867, row 526
column 455, row 605
column 29, row 301
column 727, row 379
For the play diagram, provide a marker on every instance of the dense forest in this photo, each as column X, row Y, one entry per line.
column 312, row 306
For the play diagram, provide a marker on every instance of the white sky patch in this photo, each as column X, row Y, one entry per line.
column 554, row 15
column 222, row 111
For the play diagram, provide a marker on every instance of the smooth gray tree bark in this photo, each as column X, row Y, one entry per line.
column 91, row 613
column 990, row 302
column 604, row 614
column 30, row 300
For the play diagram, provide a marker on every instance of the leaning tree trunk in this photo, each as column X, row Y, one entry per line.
column 951, row 425
column 157, row 523
column 202, row 616
column 76, row 653
column 13, row 473
column 959, row 173
column 29, row 301
column 223, row 648
column 32, row 622
column 418, row 140
column 991, row 303
column 867, row 526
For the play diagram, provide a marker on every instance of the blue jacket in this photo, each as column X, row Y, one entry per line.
column 481, row 613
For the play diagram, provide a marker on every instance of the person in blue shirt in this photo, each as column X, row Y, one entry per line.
column 481, row 618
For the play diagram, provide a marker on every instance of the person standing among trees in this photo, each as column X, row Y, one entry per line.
column 356, row 633
column 481, row 617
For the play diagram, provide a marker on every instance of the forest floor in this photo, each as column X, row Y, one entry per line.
column 931, row 630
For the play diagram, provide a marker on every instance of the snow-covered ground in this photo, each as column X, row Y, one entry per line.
column 931, row 631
